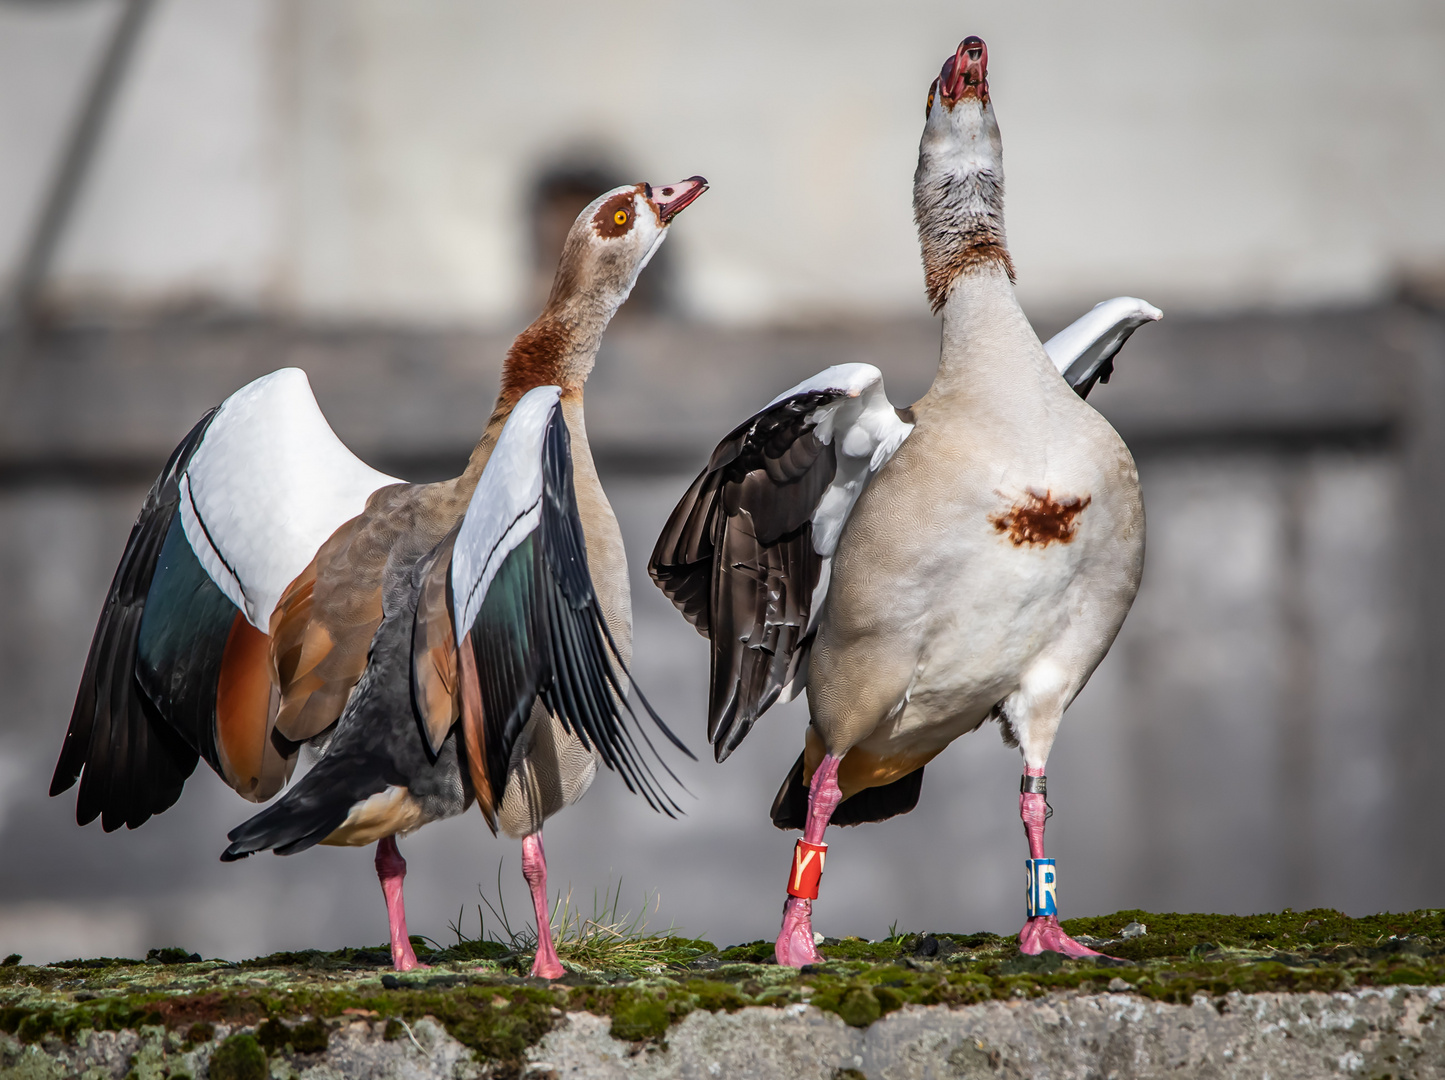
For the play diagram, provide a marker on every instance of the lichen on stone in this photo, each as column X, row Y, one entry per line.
column 289, row 1005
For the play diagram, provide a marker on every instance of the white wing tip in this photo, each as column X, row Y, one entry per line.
column 1141, row 310
column 283, row 377
column 848, row 379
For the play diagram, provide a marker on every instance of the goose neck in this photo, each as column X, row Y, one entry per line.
column 987, row 339
column 558, row 349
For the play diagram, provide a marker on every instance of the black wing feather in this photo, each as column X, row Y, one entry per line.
column 737, row 559
column 790, row 805
column 540, row 633
column 129, row 767
column 182, row 643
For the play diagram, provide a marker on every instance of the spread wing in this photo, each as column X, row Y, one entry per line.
column 179, row 665
column 746, row 554
column 527, row 618
column 1084, row 350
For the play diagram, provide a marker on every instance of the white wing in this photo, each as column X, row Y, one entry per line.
column 542, row 636
column 268, row 485
column 507, row 505
column 866, row 431
column 1084, row 350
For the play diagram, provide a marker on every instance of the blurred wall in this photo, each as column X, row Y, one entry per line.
column 346, row 158
column 350, row 187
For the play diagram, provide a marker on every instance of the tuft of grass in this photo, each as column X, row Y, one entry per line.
column 606, row 938
column 610, row 939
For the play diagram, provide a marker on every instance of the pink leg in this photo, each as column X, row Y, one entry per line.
column 534, row 869
column 1042, row 931
column 795, row 941
column 391, row 869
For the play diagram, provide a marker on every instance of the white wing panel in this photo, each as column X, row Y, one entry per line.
column 850, row 379
column 267, row 486
column 506, row 506
column 1079, row 348
column 866, row 431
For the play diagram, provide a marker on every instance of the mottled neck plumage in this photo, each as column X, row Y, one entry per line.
column 960, row 224
column 988, row 345
column 558, row 349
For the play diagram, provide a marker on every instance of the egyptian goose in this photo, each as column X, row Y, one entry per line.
column 274, row 585
column 919, row 571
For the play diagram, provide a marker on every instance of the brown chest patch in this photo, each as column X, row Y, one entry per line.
column 537, row 358
column 1040, row 520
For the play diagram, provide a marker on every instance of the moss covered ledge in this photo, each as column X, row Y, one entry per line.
column 174, row 1014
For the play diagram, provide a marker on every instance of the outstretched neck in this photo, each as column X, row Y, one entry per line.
column 989, row 347
column 960, row 229
column 558, row 349
column 988, row 344
column 958, row 199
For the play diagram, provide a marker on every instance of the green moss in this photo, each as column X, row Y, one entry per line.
column 474, row 950
column 499, row 1021
column 315, row 960
column 640, row 1016
column 859, row 1007
column 1320, row 928
column 291, row 1000
column 95, row 963
column 713, row 996
column 858, row 949
column 308, row 1037
column 239, row 1058
column 754, row 952
column 681, row 950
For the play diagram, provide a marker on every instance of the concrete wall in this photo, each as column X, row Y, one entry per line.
column 372, row 158
column 1263, row 733
column 354, row 174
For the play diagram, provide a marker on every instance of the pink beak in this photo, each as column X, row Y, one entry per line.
column 672, row 199
column 966, row 70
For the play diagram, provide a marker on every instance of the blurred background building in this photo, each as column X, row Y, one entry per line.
column 195, row 192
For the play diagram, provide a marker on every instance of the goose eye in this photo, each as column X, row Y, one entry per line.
column 928, row 110
column 620, row 217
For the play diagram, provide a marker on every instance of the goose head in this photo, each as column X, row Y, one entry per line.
column 958, row 186
column 606, row 248
column 612, row 240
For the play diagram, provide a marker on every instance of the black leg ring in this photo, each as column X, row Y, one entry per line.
column 1037, row 785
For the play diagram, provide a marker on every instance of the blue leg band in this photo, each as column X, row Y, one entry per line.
column 1043, row 887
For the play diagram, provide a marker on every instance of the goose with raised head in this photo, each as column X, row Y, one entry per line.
column 919, row 571
column 438, row 643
